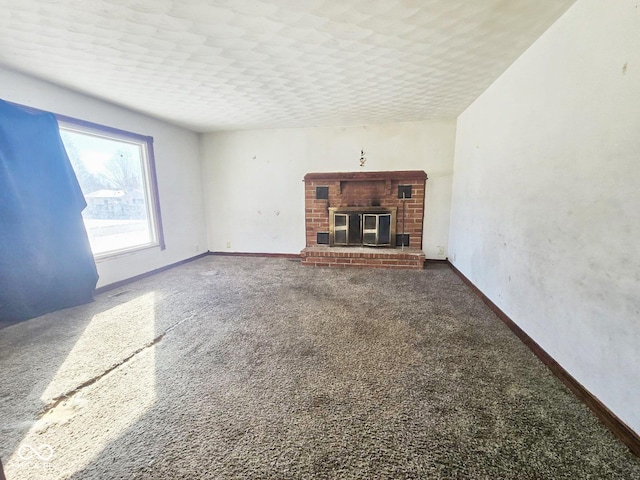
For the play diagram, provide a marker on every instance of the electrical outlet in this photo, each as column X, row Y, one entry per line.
column 228, row 244
column 440, row 250
column 197, row 248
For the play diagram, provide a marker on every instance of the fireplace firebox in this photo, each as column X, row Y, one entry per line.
column 361, row 226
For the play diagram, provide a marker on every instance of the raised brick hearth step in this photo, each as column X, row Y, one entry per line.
column 320, row 256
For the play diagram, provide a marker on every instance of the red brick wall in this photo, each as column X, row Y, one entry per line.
column 365, row 189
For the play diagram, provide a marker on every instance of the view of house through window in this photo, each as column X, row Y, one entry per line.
column 114, row 175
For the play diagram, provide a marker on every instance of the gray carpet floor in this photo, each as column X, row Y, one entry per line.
column 237, row 368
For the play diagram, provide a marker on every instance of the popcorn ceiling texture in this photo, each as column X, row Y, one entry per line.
column 216, row 65
column 254, row 368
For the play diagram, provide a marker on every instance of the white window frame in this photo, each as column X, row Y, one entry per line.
column 148, row 177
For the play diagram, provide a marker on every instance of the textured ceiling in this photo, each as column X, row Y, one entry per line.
column 239, row 64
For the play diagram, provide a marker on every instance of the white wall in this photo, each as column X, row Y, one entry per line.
column 254, row 191
column 546, row 197
column 177, row 167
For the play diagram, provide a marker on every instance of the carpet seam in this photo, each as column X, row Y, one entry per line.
column 71, row 393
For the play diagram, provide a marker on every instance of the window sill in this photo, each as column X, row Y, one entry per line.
column 115, row 254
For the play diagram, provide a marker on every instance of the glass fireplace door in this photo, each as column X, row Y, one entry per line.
column 341, row 229
column 376, row 229
column 347, row 229
column 362, row 226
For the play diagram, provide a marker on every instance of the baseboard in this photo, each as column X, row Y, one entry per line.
column 120, row 283
column 620, row 429
column 256, row 254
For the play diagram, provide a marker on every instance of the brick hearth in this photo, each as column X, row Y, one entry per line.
column 320, row 256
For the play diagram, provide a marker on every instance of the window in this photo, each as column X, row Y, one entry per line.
column 116, row 173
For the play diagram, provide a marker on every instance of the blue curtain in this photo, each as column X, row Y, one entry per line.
column 45, row 259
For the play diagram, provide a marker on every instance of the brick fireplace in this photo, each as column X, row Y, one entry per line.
column 364, row 219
